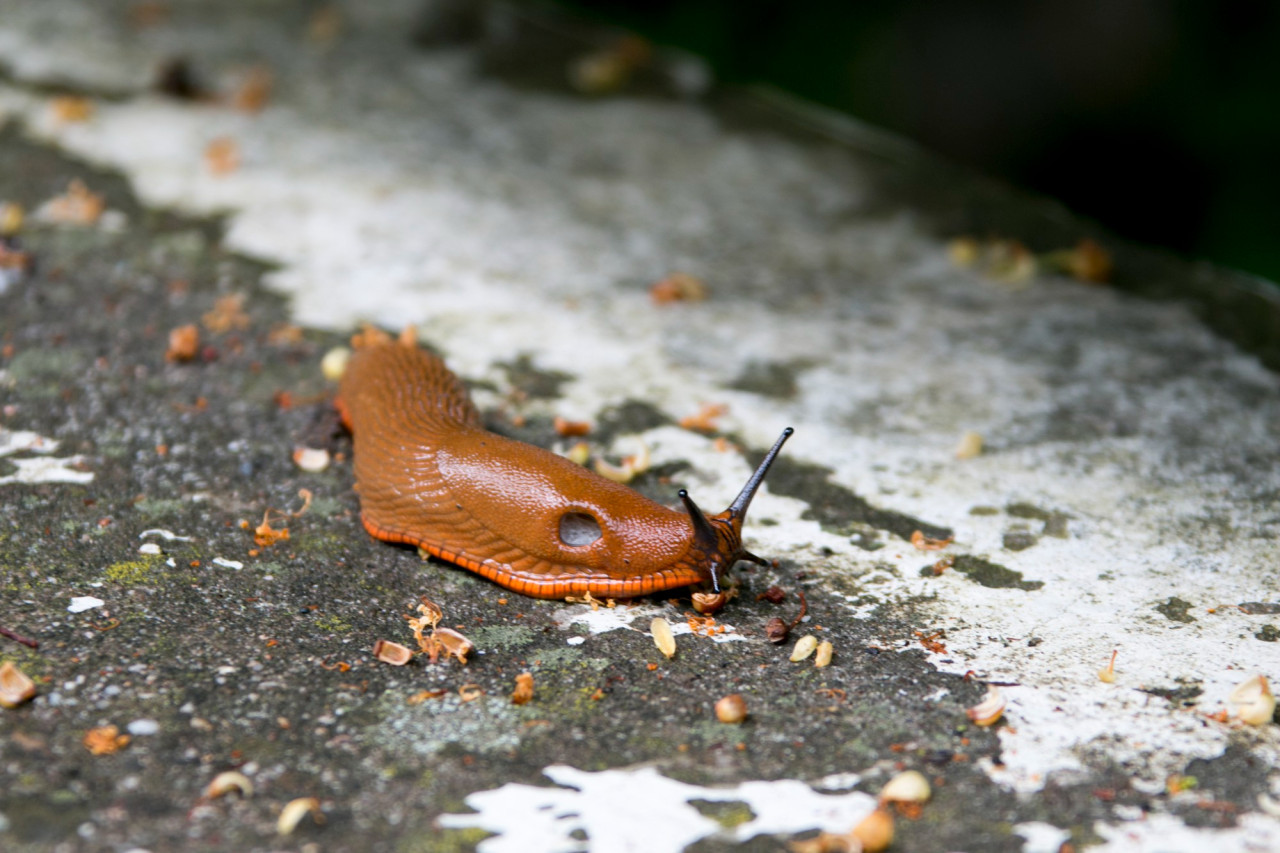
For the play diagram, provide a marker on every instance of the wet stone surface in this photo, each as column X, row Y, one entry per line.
column 259, row 658
column 1116, row 498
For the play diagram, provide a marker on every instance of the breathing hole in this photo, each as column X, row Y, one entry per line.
column 578, row 529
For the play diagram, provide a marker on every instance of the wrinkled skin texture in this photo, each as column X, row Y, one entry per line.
column 430, row 475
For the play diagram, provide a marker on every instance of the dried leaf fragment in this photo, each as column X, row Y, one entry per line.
column 989, row 711
column 254, row 90
column 226, row 315
column 295, row 810
column 826, row 842
column 571, row 429
column 963, row 251
column 579, row 453
column 1107, row 674
column 104, row 740
column 11, row 217
column 15, row 686
column 431, row 612
column 776, row 630
column 773, row 595
column 1256, row 705
column 524, row 689
column 608, row 69
column 264, row 535
column 678, row 287
column 222, row 156
column 805, row 646
column 875, row 832
column 423, row 695
column 924, row 543
column 1086, row 261
column 731, row 709
column 77, row 206
column 970, row 445
column 226, row 782
column 184, row 343
column 704, row 420
column 709, row 602
column 311, row 459
column 631, row 466
column 452, row 643
column 71, row 108
column 392, row 653
column 663, row 638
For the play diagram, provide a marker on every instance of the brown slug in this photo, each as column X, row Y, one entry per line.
column 430, row 475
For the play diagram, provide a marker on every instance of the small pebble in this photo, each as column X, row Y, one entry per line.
column 143, row 727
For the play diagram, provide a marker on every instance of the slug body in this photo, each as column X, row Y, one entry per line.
column 430, row 475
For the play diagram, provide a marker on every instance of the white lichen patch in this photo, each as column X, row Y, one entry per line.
column 1166, row 834
column 659, row 814
column 602, row 619
column 482, row 725
column 42, row 469
column 47, row 470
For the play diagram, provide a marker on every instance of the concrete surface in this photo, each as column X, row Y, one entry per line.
column 1126, row 498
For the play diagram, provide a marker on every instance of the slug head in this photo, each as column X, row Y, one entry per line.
column 718, row 537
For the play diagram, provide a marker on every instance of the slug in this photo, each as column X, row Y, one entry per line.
column 429, row 474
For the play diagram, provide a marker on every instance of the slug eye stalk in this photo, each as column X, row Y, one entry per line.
column 720, row 536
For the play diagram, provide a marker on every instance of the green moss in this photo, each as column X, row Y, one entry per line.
column 728, row 815
column 502, row 637
column 326, row 507
column 333, row 624
column 134, row 572
column 443, row 841
column 564, row 658
column 158, row 506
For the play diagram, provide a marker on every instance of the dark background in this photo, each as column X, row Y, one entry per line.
column 1161, row 120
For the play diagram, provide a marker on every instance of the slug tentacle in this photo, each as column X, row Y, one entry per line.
column 721, row 535
column 430, row 475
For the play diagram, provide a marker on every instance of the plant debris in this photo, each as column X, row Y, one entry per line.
column 295, row 810
column 1256, row 705
column 805, row 646
column 989, row 711
column 678, row 287
column 731, row 709
column 184, row 343
column 704, row 420
column 227, row 782
column 18, row 638
column 823, row 656
column 441, row 640
column 105, row 740
column 392, row 653
column 662, row 637
column 226, row 315
column 776, row 630
column 924, row 543
column 77, row 206
column 524, row 689
column 15, row 687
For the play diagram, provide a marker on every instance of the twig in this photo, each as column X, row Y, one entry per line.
column 26, row 641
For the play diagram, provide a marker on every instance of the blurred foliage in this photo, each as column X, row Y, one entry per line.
column 1159, row 119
